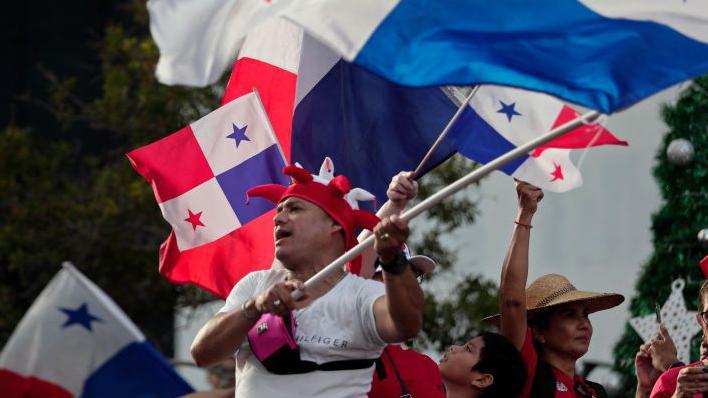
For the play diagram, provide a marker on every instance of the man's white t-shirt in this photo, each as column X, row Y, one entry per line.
column 337, row 326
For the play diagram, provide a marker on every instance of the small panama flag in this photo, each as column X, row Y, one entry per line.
column 504, row 118
column 200, row 175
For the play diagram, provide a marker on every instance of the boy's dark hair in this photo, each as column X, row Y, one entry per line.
column 502, row 360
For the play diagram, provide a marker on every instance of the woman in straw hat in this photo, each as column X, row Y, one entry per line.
column 548, row 321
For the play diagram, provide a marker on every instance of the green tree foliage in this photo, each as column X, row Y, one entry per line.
column 66, row 199
column 684, row 189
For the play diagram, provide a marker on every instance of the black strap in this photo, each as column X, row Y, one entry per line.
column 404, row 390
column 299, row 367
column 380, row 368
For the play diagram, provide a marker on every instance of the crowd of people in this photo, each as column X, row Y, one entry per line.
column 345, row 337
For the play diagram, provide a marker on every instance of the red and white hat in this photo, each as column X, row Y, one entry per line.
column 332, row 194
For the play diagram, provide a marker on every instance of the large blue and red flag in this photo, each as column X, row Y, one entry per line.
column 604, row 54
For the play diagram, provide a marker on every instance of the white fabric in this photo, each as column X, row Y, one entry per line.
column 338, row 326
column 41, row 342
column 317, row 60
column 688, row 17
column 538, row 171
column 538, row 112
column 212, row 132
column 285, row 54
column 345, row 25
column 198, row 39
column 217, row 215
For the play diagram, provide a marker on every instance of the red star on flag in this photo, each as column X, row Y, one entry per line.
column 194, row 219
column 557, row 173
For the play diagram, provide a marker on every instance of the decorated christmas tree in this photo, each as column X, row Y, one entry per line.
column 682, row 176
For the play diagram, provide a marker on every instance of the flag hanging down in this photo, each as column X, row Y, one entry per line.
column 604, row 54
column 503, row 118
column 200, row 176
column 74, row 341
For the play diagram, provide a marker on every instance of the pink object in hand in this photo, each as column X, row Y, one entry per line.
column 270, row 334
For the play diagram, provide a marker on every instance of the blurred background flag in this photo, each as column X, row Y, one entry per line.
column 603, row 54
column 74, row 341
column 198, row 39
column 502, row 118
column 200, row 176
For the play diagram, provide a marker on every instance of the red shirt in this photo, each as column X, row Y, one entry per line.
column 420, row 375
column 565, row 385
column 665, row 386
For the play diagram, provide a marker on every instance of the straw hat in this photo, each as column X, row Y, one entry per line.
column 552, row 290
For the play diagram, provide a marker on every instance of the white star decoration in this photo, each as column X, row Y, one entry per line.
column 680, row 322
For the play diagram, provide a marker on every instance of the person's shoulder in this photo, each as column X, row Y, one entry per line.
column 672, row 374
column 666, row 383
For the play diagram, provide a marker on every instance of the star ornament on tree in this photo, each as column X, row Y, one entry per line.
column 680, row 322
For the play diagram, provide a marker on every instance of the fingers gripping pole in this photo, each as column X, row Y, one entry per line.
column 451, row 189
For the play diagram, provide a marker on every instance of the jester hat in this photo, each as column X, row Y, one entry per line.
column 333, row 195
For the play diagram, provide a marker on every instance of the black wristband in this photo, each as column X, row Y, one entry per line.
column 397, row 266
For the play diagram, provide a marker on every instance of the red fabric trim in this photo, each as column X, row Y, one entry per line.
column 13, row 385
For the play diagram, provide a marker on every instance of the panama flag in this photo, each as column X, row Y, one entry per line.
column 200, row 176
column 503, row 118
column 74, row 341
column 603, row 54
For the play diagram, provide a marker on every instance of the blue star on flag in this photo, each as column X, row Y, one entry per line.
column 79, row 316
column 239, row 134
column 508, row 110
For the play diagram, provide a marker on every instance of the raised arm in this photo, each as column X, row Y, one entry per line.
column 399, row 313
column 401, row 190
column 512, row 289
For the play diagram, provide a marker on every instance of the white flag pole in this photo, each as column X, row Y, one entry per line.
column 451, row 189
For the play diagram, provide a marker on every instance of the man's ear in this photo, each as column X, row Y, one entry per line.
column 482, row 380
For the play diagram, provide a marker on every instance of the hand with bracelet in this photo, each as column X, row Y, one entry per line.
column 529, row 196
column 390, row 234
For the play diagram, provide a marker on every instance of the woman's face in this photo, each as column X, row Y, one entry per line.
column 568, row 333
